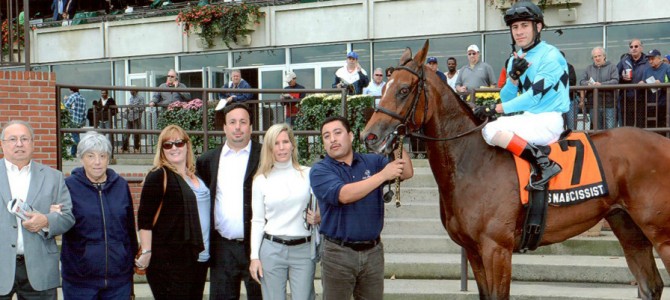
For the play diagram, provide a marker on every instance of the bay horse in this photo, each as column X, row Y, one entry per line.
column 479, row 189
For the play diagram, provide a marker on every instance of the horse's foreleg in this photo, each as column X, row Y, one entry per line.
column 475, row 260
column 497, row 263
column 639, row 254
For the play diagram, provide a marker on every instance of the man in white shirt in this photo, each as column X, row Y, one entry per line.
column 30, row 260
column 228, row 171
column 375, row 87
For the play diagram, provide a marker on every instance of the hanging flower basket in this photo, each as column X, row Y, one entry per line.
column 231, row 23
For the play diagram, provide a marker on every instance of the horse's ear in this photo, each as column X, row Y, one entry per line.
column 420, row 57
column 406, row 56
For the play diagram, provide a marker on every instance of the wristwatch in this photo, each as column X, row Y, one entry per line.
column 145, row 252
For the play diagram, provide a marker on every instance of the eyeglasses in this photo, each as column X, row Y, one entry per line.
column 15, row 140
column 634, row 46
column 388, row 75
column 379, row 75
column 472, row 53
column 178, row 143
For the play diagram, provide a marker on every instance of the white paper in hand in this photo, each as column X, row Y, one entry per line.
column 19, row 208
column 651, row 79
column 221, row 105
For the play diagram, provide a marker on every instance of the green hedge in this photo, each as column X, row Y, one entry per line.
column 316, row 108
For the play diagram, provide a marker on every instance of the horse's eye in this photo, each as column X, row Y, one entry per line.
column 404, row 91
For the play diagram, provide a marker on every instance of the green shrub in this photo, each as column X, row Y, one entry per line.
column 188, row 115
column 314, row 109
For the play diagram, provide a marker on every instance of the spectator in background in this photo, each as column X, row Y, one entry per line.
column 476, row 74
column 432, row 64
column 175, row 246
column 133, row 121
column 292, row 109
column 76, row 106
column 351, row 76
column 657, row 72
column 376, row 85
column 452, row 72
column 58, row 7
column 631, row 68
column 570, row 116
column 601, row 72
column 502, row 77
column 236, row 82
column 389, row 71
column 104, row 111
column 666, row 59
column 70, row 9
column 280, row 239
column 104, row 219
column 228, row 171
column 348, row 186
column 30, row 254
column 163, row 99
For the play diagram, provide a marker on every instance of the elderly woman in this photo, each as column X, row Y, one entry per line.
column 173, row 219
column 280, row 237
column 97, row 254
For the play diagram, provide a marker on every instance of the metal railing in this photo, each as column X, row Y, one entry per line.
column 16, row 31
column 267, row 113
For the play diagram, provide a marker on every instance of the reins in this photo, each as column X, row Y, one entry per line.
column 421, row 86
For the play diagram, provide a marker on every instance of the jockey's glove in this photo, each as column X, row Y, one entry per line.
column 519, row 65
column 487, row 111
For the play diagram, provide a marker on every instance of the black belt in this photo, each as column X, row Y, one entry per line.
column 20, row 257
column 356, row 246
column 239, row 241
column 295, row 242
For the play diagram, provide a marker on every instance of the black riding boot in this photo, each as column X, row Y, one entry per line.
column 543, row 168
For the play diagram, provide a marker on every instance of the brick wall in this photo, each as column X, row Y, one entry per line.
column 30, row 96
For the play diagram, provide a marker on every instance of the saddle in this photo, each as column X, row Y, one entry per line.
column 581, row 179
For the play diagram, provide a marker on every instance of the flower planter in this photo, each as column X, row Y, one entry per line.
column 243, row 40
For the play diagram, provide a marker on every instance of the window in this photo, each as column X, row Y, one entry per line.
column 259, row 58
column 197, row 62
column 318, row 53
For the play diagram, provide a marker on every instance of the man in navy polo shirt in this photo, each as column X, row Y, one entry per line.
column 348, row 186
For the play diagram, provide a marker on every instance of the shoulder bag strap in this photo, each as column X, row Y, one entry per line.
column 158, row 212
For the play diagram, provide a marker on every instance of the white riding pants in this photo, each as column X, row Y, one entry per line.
column 538, row 129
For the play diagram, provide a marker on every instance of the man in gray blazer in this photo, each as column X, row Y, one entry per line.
column 28, row 251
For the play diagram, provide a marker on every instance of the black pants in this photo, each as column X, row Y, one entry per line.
column 230, row 266
column 177, row 279
column 135, row 124
column 22, row 286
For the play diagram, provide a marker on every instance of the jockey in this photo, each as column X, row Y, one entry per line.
column 537, row 85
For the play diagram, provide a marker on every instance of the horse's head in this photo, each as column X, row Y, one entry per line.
column 403, row 106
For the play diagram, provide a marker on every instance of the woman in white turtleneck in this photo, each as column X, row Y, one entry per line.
column 280, row 238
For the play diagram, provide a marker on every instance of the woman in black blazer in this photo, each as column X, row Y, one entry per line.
column 175, row 245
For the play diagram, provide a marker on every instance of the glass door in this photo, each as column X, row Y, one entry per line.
column 270, row 113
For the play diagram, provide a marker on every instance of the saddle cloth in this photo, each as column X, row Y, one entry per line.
column 581, row 179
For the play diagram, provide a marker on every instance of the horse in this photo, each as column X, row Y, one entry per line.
column 479, row 190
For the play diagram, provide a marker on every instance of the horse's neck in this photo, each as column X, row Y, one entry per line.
column 459, row 157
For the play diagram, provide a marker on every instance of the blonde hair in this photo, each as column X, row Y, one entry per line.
column 161, row 161
column 267, row 157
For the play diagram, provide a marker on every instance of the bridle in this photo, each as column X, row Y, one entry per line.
column 421, row 86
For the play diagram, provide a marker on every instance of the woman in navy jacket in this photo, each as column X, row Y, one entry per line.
column 97, row 254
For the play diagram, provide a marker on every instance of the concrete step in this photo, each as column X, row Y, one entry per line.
column 412, row 210
column 544, row 268
column 410, row 195
column 409, row 289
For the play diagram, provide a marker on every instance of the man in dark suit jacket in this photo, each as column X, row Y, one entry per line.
column 228, row 171
column 30, row 256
